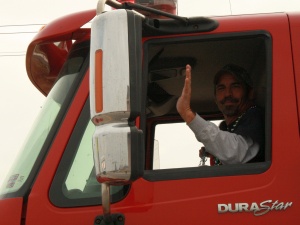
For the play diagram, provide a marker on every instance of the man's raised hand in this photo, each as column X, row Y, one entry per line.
column 184, row 102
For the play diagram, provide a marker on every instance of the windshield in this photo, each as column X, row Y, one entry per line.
column 23, row 166
column 21, row 169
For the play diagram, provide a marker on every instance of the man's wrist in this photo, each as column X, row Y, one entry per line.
column 189, row 116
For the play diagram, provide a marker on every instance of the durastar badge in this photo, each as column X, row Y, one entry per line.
column 258, row 209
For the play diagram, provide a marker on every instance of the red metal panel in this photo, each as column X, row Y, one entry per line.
column 11, row 211
column 43, row 58
column 295, row 34
column 63, row 28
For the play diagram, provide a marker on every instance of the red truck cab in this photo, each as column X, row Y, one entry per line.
column 151, row 163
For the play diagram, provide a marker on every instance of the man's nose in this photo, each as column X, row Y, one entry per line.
column 228, row 92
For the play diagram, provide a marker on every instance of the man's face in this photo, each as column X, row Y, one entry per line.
column 230, row 95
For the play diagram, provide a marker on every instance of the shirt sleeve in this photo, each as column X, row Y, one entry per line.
column 229, row 148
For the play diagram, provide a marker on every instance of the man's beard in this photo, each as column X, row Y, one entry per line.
column 230, row 110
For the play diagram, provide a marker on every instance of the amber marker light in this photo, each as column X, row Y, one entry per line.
column 98, row 81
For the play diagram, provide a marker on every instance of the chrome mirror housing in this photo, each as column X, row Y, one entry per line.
column 115, row 85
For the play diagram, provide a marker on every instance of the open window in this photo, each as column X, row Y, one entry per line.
column 169, row 140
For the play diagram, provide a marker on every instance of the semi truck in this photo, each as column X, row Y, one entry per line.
column 109, row 146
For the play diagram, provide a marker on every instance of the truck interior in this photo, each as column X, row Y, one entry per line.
column 167, row 60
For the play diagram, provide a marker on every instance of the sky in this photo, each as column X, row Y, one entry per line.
column 21, row 20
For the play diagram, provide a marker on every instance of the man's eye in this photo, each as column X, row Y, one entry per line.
column 236, row 86
column 220, row 88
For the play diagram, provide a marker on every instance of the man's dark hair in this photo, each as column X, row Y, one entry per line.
column 239, row 72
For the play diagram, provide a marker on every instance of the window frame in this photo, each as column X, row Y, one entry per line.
column 213, row 171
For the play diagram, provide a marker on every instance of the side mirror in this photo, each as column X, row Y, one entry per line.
column 115, row 96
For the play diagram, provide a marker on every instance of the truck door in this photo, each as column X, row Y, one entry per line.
column 227, row 193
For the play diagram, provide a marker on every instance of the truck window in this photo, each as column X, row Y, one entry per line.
column 171, row 144
column 75, row 182
column 82, row 165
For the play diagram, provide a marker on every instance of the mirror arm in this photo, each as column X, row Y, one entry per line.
column 105, row 188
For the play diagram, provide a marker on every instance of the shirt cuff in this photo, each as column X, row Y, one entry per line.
column 198, row 124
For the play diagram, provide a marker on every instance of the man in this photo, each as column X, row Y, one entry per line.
column 240, row 137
